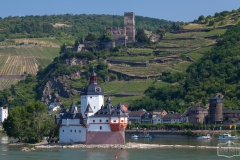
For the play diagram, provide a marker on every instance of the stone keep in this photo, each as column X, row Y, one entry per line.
column 129, row 24
column 215, row 109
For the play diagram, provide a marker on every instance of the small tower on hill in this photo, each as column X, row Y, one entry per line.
column 129, row 23
column 215, row 110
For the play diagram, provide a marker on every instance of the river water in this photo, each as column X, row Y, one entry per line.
column 8, row 152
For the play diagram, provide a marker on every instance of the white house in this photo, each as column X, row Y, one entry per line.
column 54, row 106
column 157, row 119
column 172, row 118
column 3, row 114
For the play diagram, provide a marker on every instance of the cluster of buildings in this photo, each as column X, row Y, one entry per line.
column 196, row 114
column 99, row 123
column 95, row 122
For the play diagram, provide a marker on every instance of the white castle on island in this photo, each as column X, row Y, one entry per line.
column 95, row 123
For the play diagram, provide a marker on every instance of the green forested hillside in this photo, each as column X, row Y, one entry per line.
column 213, row 69
column 219, row 19
column 68, row 25
column 218, row 71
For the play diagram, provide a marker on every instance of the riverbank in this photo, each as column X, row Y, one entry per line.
column 126, row 146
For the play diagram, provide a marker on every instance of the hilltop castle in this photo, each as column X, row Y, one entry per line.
column 124, row 35
column 121, row 36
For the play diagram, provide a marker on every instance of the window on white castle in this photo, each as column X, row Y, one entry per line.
column 90, row 97
column 93, row 121
column 100, row 120
column 63, row 130
column 79, row 131
column 100, row 127
column 106, row 120
column 70, row 130
column 75, row 131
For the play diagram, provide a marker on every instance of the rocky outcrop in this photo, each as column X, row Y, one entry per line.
column 126, row 146
column 57, row 87
column 28, row 149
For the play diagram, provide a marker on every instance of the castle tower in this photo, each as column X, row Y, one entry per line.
column 129, row 24
column 215, row 109
column 92, row 98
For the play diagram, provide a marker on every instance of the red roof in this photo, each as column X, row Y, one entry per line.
column 124, row 108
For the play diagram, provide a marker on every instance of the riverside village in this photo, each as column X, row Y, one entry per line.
column 89, row 94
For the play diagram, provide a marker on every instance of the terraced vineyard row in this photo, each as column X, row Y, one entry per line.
column 138, row 86
column 113, row 87
column 36, row 51
column 151, row 69
column 43, row 62
column 2, row 60
column 31, row 65
column 13, row 65
column 18, row 65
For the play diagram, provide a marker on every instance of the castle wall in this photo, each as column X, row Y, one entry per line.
column 118, row 34
column 105, row 137
column 70, row 121
column 100, row 124
column 72, row 134
column 114, row 120
column 129, row 23
column 95, row 102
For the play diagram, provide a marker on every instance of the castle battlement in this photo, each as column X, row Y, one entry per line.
column 129, row 14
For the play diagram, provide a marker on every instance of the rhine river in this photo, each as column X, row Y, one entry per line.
column 8, row 152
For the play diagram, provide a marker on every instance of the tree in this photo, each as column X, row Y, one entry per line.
column 200, row 18
column 106, row 37
column 29, row 123
column 91, row 37
column 141, row 36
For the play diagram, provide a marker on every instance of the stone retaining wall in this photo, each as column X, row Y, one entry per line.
column 12, row 76
column 105, row 137
column 157, row 134
column 133, row 64
column 119, row 74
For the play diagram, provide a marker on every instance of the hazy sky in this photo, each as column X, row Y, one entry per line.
column 175, row 10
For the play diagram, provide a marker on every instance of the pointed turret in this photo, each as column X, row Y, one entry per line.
column 108, row 101
column 73, row 108
column 93, row 77
column 89, row 109
column 88, row 112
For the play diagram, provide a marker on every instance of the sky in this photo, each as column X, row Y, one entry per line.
column 173, row 10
